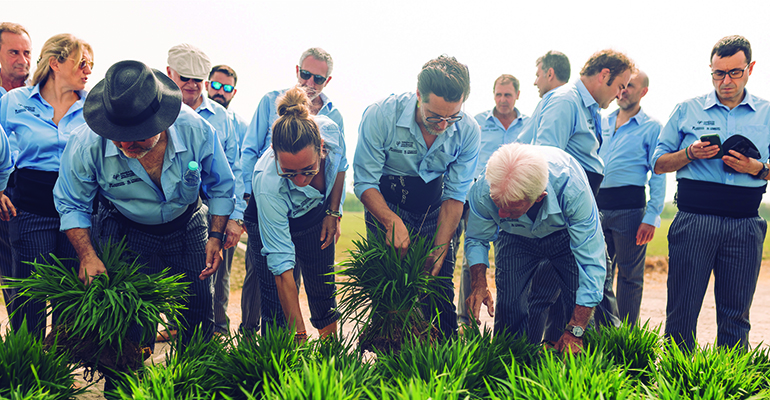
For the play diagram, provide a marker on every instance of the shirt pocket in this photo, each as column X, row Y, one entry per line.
column 439, row 160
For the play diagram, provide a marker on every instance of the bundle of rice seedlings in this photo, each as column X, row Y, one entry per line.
column 709, row 373
column 588, row 375
column 636, row 347
column 439, row 387
column 28, row 371
column 325, row 379
column 254, row 362
column 382, row 292
column 94, row 320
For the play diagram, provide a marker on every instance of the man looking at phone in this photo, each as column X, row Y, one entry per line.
column 717, row 228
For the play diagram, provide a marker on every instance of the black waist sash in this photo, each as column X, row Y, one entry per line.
column 178, row 223
column 311, row 218
column 595, row 180
column 411, row 193
column 34, row 191
column 621, row 198
column 711, row 198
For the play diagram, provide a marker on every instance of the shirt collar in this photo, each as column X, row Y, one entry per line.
column 205, row 105
column 639, row 118
column 35, row 92
column 712, row 100
column 491, row 114
column 406, row 120
column 588, row 100
column 173, row 142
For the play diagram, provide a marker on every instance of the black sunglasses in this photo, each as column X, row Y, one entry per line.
column 318, row 79
column 184, row 79
column 218, row 85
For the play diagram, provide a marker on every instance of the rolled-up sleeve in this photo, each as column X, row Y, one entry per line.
column 482, row 227
column 217, row 179
column 76, row 187
column 657, row 183
column 369, row 158
column 6, row 165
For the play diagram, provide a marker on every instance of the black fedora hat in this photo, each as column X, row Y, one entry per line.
column 132, row 102
column 742, row 145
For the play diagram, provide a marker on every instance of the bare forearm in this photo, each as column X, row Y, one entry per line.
column 672, row 162
column 336, row 195
column 81, row 241
column 479, row 276
column 218, row 223
column 581, row 315
column 289, row 298
column 448, row 218
column 375, row 204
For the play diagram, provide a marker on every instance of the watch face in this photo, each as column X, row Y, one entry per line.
column 577, row 331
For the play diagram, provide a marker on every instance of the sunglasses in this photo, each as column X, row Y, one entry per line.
column 318, row 79
column 85, row 63
column 219, row 85
column 292, row 175
column 184, row 79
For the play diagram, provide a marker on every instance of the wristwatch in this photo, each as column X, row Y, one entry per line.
column 239, row 222
column 763, row 173
column 576, row 331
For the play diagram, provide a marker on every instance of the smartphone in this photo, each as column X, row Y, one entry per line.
column 713, row 139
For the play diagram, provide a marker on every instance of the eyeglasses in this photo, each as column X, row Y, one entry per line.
column 185, row 79
column 85, row 63
column 292, row 175
column 318, row 79
column 219, row 85
column 736, row 73
column 450, row 120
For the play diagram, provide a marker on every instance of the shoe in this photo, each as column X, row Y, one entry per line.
column 165, row 336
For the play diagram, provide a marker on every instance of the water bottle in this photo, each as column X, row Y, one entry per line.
column 192, row 176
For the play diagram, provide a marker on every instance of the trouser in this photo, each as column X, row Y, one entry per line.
column 425, row 226
column 517, row 262
column 251, row 297
column 731, row 248
column 182, row 251
column 6, row 263
column 221, row 282
column 33, row 238
column 465, row 272
column 620, row 228
column 315, row 265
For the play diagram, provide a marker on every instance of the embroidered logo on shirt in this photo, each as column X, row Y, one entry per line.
column 709, row 125
column 24, row 108
column 407, row 147
column 124, row 176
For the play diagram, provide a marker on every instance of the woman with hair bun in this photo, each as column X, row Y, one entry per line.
column 293, row 216
column 39, row 120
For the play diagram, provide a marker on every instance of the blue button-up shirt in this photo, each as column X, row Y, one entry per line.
column 28, row 120
column 260, row 133
column 527, row 133
column 494, row 135
column 705, row 114
column 569, row 205
column 390, row 143
column 279, row 199
column 241, row 126
column 566, row 120
column 626, row 165
column 6, row 165
column 221, row 120
column 92, row 164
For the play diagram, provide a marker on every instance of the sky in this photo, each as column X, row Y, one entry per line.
column 379, row 47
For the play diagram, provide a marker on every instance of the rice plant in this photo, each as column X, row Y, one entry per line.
column 94, row 320
column 28, row 371
column 636, row 347
column 325, row 379
column 439, row 387
column 709, row 373
column 382, row 292
column 588, row 375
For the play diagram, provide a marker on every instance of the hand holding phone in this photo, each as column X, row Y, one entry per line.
column 713, row 139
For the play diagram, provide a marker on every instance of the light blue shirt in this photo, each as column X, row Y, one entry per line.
column 705, row 114
column 566, row 120
column 278, row 199
column 626, row 165
column 241, row 126
column 27, row 118
column 569, row 205
column 92, row 164
column 6, row 165
column 494, row 135
column 527, row 133
column 260, row 133
column 390, row 143
column 221, row 120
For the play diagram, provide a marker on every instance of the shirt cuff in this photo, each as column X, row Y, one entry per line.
column 360, row 188
column 279, row 263
column 651, row 220
column 221, row 206
column 75, row 219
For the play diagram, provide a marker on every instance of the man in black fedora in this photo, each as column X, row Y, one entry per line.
column 147, row 158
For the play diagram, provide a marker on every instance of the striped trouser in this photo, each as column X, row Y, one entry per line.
column 620, row 228
column 518, row 259
column 731, row 248
column 183, row 252
column 315, row 265
column 425, row 226
column 6, row 262
column 251, row 298
column 34, row 237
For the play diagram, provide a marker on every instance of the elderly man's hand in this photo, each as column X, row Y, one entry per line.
column 89, row 268
column 213, row 257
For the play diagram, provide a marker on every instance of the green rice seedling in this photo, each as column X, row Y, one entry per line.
column 94, row 319
column 702, row 372
column 439, row 387
column 254, row 361
column 761, row 360
column 588, row 375
column 637, row 347
column 27, row 370
column 325, row 379
column 158, row 383
column 381, row 291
